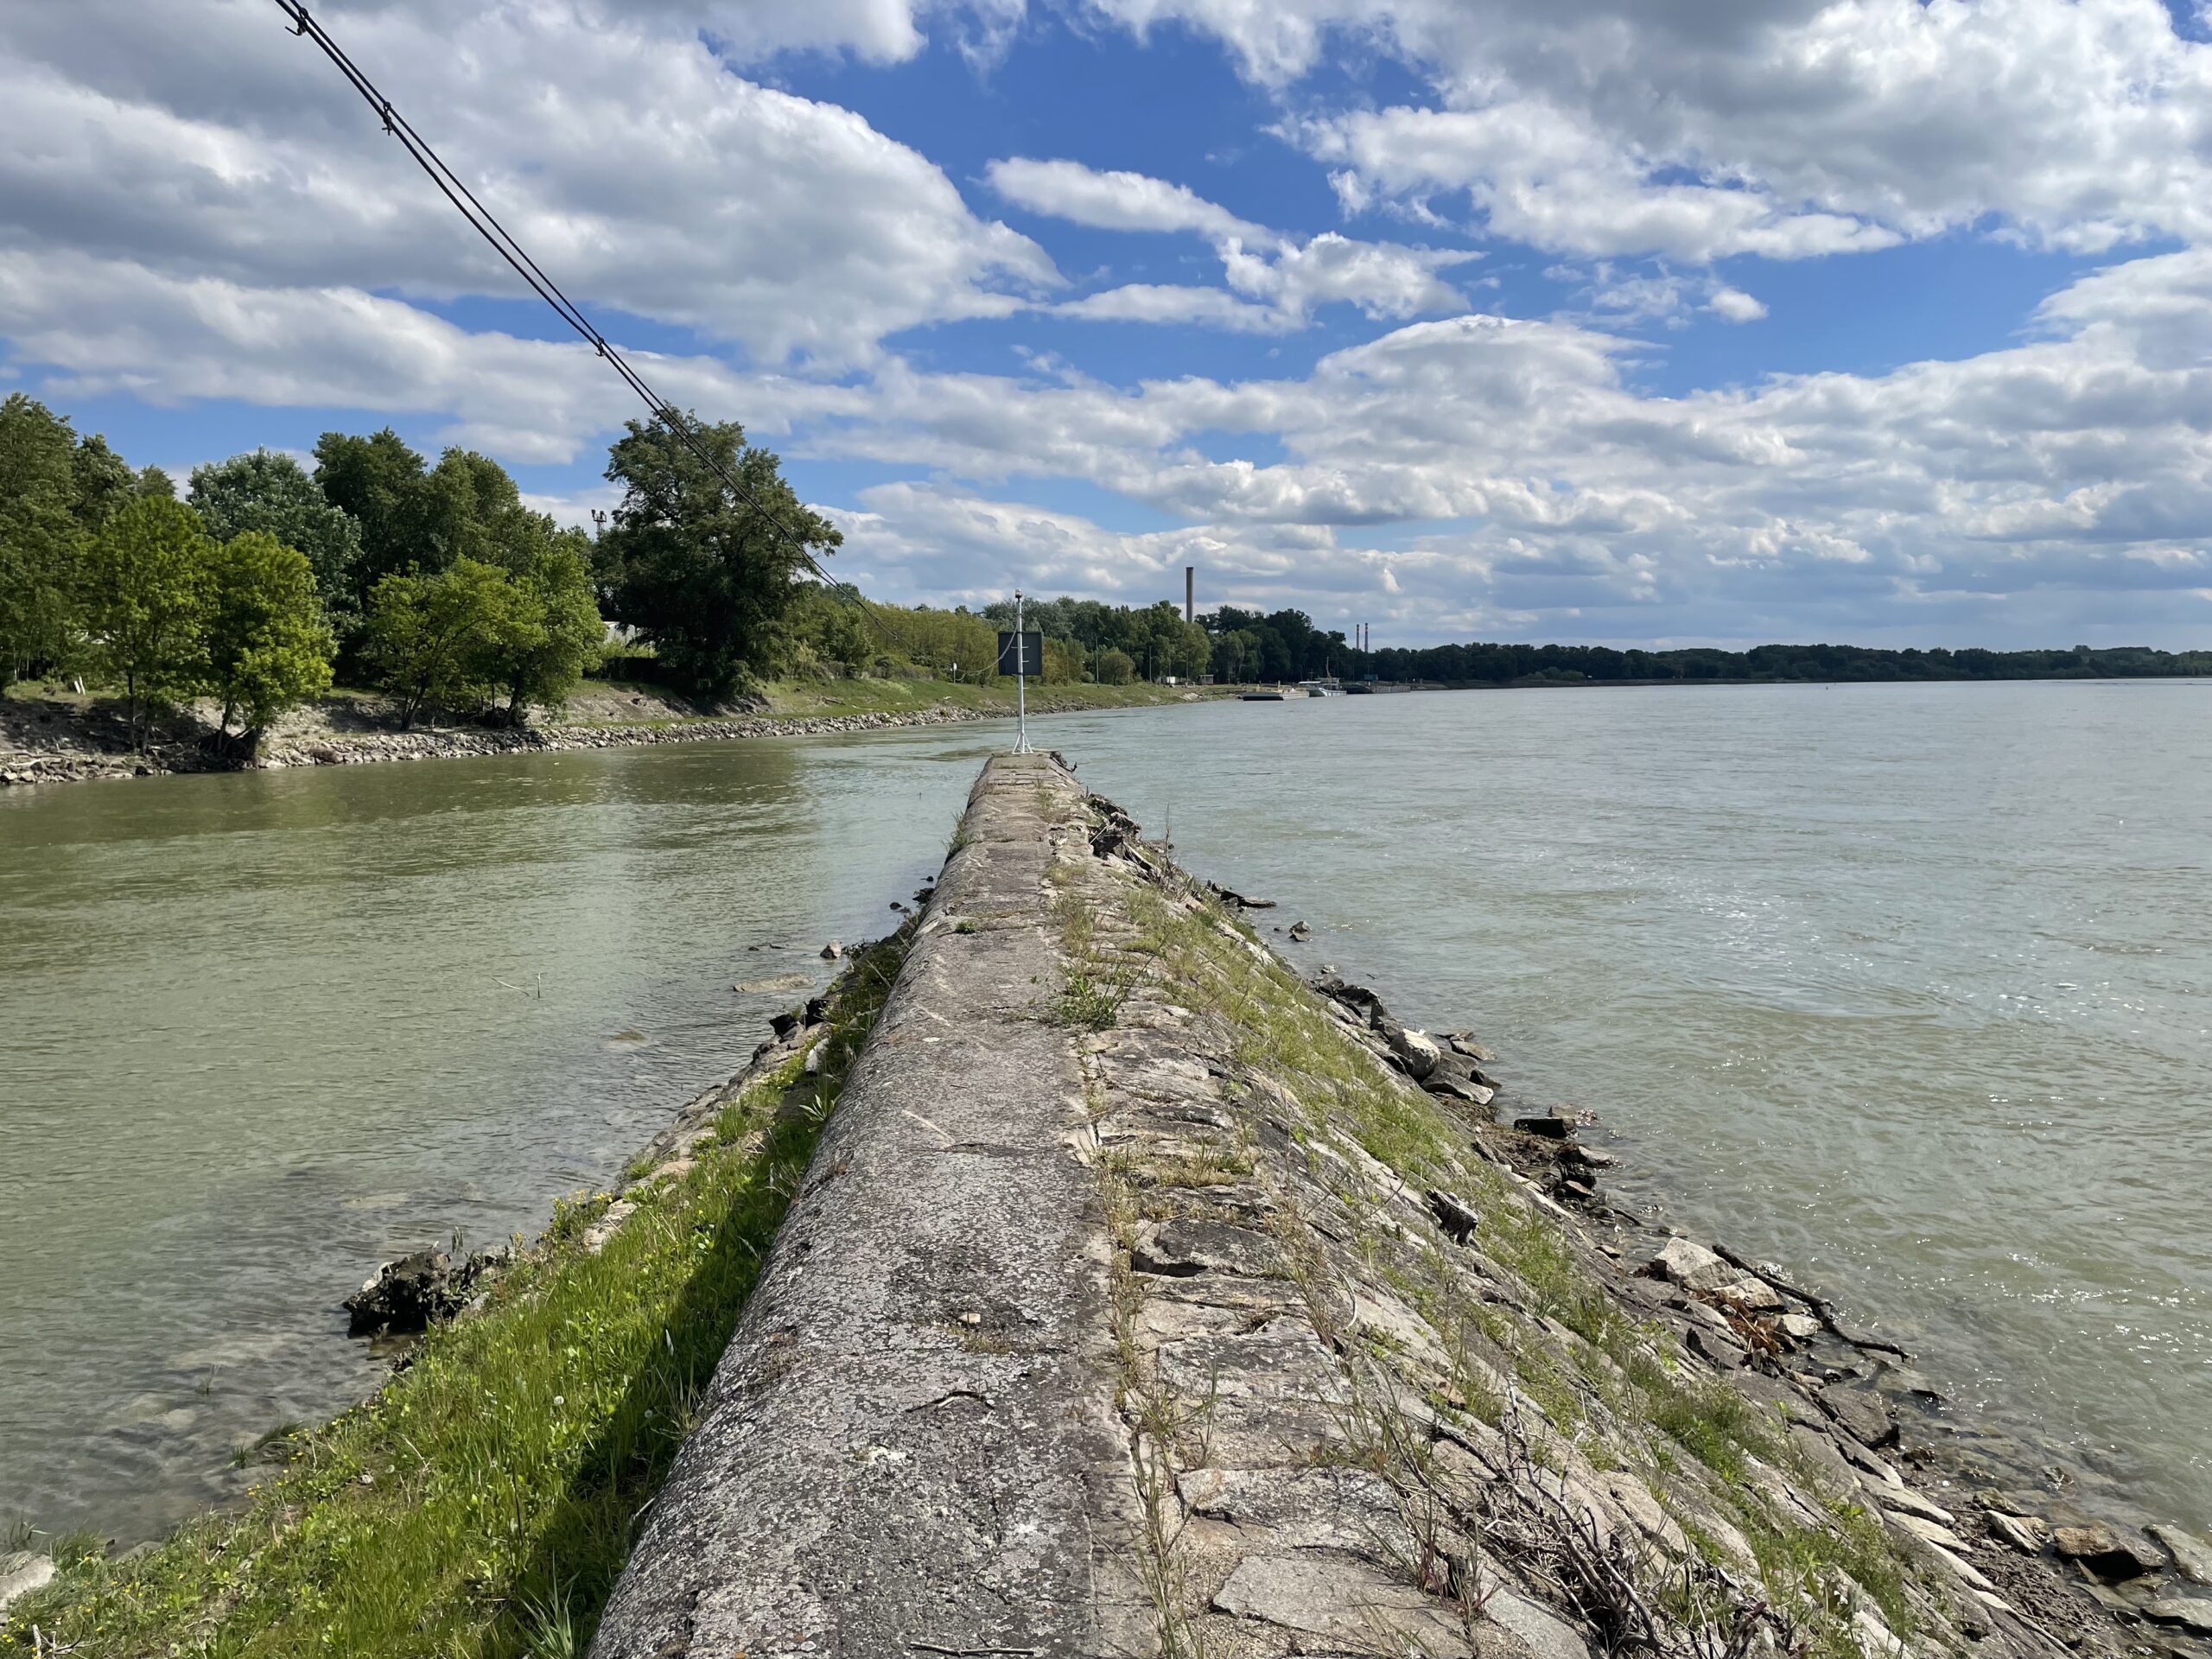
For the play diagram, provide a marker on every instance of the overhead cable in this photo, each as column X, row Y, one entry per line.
column 488, row 226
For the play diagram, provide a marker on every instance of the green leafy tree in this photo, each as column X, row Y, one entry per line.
column 470, row 509
column 146, row 602
column 269, row 647
column 707, row 577
column 1115, row 667
column 414, row 518
column 1236, row 657
column 434, row 639
column 41, row 538
column 376, row 482
column 954, row 644
column 1163, row 643
column 100, row 481
column 549, row 634
column 273, row 494
column 1063, row 661
column 833, row 627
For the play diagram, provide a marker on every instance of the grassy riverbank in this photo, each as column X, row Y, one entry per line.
column 482, row 1502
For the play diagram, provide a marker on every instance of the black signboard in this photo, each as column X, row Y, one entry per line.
column 1021, row 653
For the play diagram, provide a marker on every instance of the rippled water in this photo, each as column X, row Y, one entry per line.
column 259, row 1033
column 1909, row 987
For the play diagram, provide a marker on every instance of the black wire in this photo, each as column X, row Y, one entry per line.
column 481, row 220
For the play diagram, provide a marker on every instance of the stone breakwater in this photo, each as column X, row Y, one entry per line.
column 78, row 763
column 1142, row 1299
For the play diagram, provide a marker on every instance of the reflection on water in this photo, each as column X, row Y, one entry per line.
column 263, row 1032
column 1908, row 986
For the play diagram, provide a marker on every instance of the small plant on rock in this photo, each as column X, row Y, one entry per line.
column 1089, row 1003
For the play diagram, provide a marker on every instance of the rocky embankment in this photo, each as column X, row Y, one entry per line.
column 1999, row 1518
column 55, row 743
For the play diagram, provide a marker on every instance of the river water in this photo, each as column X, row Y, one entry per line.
column 1909, row 988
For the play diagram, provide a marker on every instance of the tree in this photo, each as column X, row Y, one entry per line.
column 1115, row 667
column 1163, row 643
column 708, row 577
column 269, row 647
column 434, row 640
column 1062, row 664
column 377, row 482
column 411, row 517
column 468, row 508
column 146, row 601
column 40, row 539
column 1231, row 653
column 101, row 482
column 951, row 644
column 549, row 634
column 833, row 626
column 272, row 493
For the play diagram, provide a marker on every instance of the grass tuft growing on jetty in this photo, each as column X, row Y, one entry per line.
column 482, row 1502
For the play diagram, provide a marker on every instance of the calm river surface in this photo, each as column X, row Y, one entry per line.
column 1907, row 986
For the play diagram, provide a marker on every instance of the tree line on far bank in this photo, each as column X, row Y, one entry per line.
column 1114, row 644
column 1286, row 645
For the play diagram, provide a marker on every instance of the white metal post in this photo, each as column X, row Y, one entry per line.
column 1020, row 679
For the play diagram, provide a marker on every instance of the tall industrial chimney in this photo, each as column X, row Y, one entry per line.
column 1189, row 593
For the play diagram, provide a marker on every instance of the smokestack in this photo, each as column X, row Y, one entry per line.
column 1189, row 593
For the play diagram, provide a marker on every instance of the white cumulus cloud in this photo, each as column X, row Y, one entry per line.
column 1288, row 278
column 200, row 139
column 1788, row 129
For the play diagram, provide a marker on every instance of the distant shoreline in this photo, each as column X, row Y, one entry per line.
column 85, row 744
column 1686, row 685
column 47, row 741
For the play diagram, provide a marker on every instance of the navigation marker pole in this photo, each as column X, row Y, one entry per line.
column 1018, row 652
column 1020, row 681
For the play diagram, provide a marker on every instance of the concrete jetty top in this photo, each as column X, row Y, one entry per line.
column 1143, row 1300
column 913, row 1438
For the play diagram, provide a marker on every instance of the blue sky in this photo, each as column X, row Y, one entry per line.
column 1601, row 321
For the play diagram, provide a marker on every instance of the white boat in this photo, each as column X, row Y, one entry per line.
column 1328, row 687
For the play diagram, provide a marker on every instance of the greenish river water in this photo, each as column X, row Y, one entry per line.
column 1907, row 986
